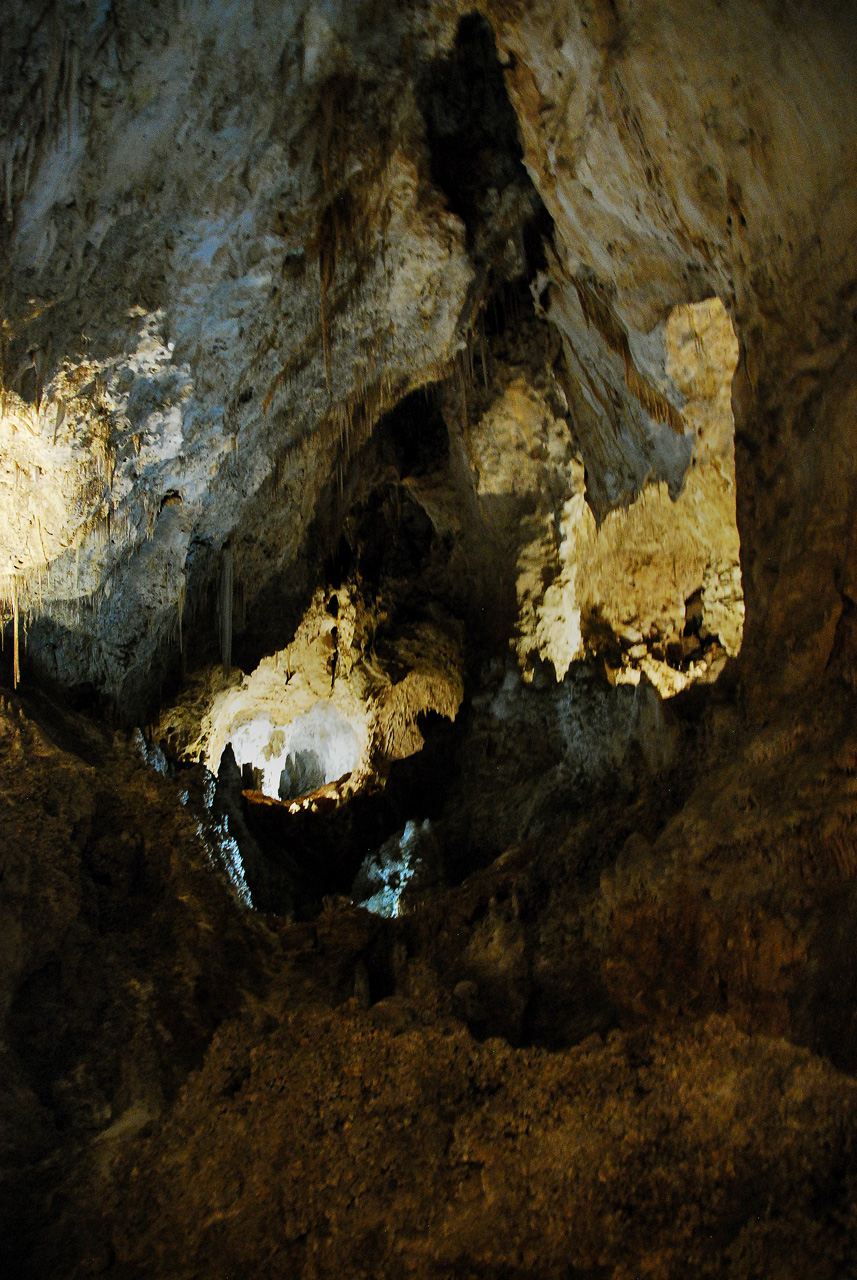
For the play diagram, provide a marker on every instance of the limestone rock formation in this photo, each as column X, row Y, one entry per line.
column 428, row 590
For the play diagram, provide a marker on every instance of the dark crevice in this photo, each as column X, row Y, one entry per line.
column 471, row 127
column 294, row 861
column 476, row 157
column 413, row 437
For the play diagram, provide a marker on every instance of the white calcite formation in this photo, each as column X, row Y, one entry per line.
column 321, row 710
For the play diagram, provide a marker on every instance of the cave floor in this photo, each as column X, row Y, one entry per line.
column 622, row 1048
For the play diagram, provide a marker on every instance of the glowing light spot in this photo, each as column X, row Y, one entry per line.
column 297, row 758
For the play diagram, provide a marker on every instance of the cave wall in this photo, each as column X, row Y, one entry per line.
column 224, row 257
column 236, row 240
column 216, row 280
column 706, row 149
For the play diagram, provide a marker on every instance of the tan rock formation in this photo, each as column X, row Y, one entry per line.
column 328, row 674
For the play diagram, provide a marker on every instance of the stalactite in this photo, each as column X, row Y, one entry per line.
column 60, row 418
column 8, row 180
column 326, row 235
column 326, row 276
column 180, row 613
column 483, row 347
column 16, row 655
column 227, row 574
column 462, row 387
column 71, row 89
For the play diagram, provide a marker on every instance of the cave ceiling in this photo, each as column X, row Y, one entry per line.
column 218, row 283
